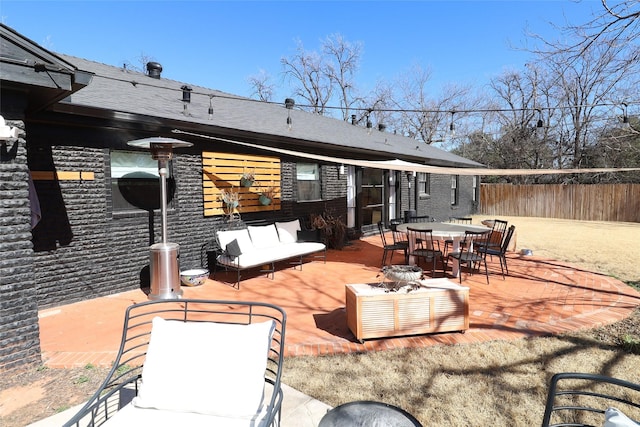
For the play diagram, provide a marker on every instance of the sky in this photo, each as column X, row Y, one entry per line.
column 221, row 44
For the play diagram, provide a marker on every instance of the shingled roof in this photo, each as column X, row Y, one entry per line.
column 141, row 97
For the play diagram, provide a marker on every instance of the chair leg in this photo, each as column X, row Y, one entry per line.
column 486, row 270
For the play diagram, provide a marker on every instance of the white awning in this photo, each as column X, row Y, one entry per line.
column 402, row 165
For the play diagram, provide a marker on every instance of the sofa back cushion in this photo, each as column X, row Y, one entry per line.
column 241, row 236
column 288, row 231
column 264, row 236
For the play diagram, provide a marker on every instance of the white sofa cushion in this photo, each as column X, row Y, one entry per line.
column 205, row 367
column 242, row 236
column 288, row 231
column 263, row 236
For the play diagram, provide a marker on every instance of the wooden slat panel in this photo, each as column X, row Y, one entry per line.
column 224, row 170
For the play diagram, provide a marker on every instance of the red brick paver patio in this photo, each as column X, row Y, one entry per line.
column 539, row 297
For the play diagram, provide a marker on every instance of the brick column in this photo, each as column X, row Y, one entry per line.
column 19, row 331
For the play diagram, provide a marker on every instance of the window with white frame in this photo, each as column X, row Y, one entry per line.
column 308, row 177
column 455, row 180
column 424, row 184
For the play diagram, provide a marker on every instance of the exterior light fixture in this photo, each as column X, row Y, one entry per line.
column 7, row 132
column 289, row 103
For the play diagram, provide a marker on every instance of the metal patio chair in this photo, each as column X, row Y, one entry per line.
column 500, row 252
column 469, row 255
column 448, row 243
column 581, row 400
column 423, row 246
column 196, row 363
column 390, row 248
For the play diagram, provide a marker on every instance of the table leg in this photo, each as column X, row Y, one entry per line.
column 455, row 265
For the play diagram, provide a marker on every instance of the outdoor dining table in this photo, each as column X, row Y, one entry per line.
column 444, row 231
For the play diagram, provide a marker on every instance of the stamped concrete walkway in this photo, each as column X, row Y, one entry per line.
column 539, row 297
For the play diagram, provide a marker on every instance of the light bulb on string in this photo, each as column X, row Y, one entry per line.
column 289, row 103
column 210, row 108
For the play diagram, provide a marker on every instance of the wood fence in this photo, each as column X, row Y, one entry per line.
column 589, row 202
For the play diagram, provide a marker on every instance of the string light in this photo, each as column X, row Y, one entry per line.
column 289, row 103
column 452, row 126
column 625, row 117
column 540, row 122
column 187, row 91
column 211, row 107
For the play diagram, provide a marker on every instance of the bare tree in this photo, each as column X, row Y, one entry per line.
column 261, row 88
column 310, row 77
column 343, row 61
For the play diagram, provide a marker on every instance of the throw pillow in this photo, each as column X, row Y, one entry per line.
column 233, row 249
column 309, row 235
column 205, row 367
column 288, row 231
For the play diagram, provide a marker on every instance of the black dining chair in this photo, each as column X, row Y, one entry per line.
column 468, row 255
column 500, row 252
column 496, row 235
column 422, row 246
column 390, row 248
column 448, row 243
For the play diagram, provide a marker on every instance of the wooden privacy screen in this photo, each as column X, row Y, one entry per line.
column 223, row 171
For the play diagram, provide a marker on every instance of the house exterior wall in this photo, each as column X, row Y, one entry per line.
column 438, row 203
column 84, row 250
column 19, row 332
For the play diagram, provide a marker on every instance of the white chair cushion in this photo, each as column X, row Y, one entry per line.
column 614, row 418
column 131, row 415
column 263, row 236
column 242, row 236
column 205, row 367
column 288, row 231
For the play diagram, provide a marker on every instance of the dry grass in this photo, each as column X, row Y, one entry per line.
column 500, row 383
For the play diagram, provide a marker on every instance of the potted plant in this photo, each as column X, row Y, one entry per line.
column 230, row 198
column 267, row 194
column 247, row 179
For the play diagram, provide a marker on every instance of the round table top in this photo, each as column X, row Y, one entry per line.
column 367, row 413
column 442, row 229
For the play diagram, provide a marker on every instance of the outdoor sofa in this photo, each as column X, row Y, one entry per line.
column 264, row 245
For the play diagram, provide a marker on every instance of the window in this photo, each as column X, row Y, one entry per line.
column 135, row 182
column 424, row 184
column 308, row 176
column 454, row 189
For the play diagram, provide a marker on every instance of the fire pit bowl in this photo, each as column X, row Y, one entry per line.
column 402, row 273
column 194, row 277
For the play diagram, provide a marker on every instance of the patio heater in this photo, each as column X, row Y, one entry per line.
column 164, row 270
